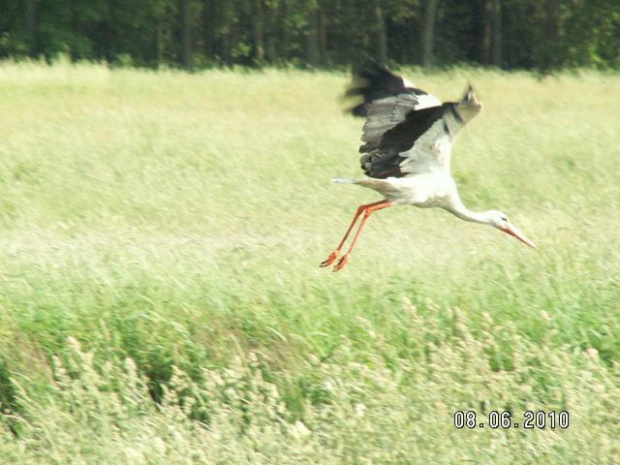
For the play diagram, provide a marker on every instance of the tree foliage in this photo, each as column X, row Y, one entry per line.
column 531, row 34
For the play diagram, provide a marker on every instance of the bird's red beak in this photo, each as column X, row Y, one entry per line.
column 510, row 229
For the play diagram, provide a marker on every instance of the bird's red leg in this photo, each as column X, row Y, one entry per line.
column 367, row 212
column 334, row 255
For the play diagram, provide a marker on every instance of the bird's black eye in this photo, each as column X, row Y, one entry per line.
column 503, row 218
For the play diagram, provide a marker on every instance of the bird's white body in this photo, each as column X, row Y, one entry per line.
column 422, row 190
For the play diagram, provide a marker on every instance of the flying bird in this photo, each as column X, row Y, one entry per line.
column 407, row 142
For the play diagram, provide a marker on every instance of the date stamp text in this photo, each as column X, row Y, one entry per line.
column 495, row 419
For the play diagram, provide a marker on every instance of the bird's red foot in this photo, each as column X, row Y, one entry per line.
column 342, row 262
column 331, row 259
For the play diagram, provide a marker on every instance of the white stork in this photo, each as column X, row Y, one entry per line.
column 408, row 137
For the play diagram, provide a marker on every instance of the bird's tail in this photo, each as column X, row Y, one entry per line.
column 344, row 180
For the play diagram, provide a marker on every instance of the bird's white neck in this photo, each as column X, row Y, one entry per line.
column 459, row 209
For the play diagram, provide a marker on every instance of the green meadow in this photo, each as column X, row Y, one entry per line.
column 161, row 300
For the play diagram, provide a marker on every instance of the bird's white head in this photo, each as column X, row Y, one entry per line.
column 500, row 221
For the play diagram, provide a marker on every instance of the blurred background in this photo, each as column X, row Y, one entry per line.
column 511, row 34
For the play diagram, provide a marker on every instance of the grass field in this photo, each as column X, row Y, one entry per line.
column 161, row 300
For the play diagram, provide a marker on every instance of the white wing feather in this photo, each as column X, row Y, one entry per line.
column 432, row 151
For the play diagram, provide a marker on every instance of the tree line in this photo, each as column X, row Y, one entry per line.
column 511, row 34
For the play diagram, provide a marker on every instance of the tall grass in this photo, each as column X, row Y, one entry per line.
column 161, row 300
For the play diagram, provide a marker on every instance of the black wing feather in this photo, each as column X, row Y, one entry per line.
column 384, row 161
column 373, row 81
column 402, row 136
column 397, row 115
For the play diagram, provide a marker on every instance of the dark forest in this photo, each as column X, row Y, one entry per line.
column 509, row 34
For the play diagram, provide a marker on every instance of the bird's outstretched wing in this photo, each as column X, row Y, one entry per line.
column 407, row 130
